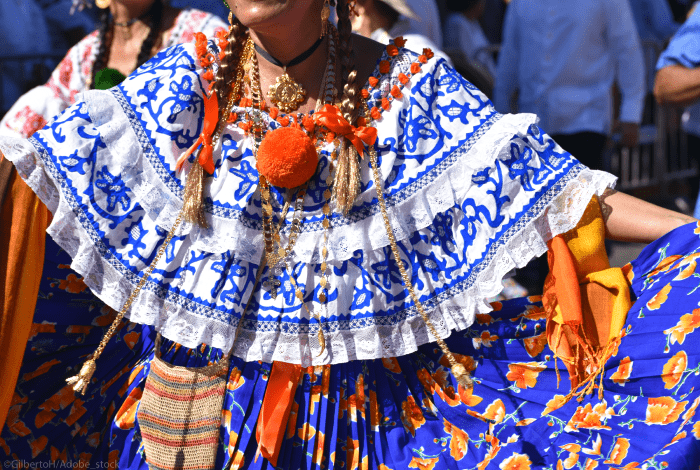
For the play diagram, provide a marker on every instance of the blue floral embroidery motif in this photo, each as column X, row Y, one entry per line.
column 114, row 188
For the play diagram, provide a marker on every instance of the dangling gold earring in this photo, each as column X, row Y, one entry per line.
column 103, row 3
column 325, row 16
column 230, row 21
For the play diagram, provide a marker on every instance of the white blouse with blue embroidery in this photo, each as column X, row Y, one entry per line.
column 471, row 195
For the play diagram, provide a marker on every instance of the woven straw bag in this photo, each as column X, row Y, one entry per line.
column 180, row 413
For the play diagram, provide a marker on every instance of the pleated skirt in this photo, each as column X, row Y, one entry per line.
column 397, row 413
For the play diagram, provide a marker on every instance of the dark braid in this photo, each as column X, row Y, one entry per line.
column 348, row 72
column 149, row 43
column 104, row 37
column 226, row 75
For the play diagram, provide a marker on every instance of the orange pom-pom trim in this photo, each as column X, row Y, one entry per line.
column 392, row 50
column 396, row 92
column 384, row 66
column 403, row 78
column 287, row 157
column 364, row 93
column 385, row 104
column 375, row 113
column 400, row 41
column 284, row 120
column 309, row 123
column 428, row 53
column 415, row 68
column 373, row 81
column 274, row 112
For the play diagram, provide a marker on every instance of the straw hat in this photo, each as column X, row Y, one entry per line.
column 401, row 7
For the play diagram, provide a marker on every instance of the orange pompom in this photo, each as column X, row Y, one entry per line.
column 428, row 53
column 309, row 123
column 385, row 104
column 274, row 112
column 287, row 157
column 384, row 66
column 422, row 59
column 284, row 120
column 403, row 78
column 364, row 93
column 373, row 81
column 415, row 68
column 375, row 113
column 208, row 75
column 400, row 41
column 396, row 91
column 392, row 50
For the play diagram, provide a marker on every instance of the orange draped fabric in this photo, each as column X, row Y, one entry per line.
column 276, row 407
column 23, row 221
column 586, row 300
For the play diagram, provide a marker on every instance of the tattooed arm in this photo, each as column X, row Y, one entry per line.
column 630, row 219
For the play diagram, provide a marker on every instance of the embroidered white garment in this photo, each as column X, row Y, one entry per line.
column 471, row 195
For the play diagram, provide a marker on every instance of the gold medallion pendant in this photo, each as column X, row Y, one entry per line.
column 286, row 94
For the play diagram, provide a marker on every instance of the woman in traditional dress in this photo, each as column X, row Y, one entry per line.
column 130, row 32
column 327, row 210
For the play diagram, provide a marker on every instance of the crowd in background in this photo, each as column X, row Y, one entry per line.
column 585, row 68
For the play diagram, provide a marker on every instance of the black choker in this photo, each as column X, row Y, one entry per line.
column 297, row 60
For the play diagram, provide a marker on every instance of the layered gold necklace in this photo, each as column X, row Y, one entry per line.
column 286, row 93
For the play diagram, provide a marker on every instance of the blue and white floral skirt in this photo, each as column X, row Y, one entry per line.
column 397, row 413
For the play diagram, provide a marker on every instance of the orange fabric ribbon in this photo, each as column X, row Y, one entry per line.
column 586, row 300
column 275, row 410
column 206, row 155
column 331, row 117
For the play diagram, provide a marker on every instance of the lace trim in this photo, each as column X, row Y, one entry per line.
column 557, row 212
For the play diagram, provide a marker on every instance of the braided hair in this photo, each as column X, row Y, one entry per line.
column 225, row 76
column 348, row 72
column 106, row 36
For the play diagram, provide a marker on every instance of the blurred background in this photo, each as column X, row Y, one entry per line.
column 655, row 158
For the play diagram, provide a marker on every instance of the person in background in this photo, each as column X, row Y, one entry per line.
column 130, row 33
column 492, row 20
column 563, row 58
column 427, row 21
column 654, row 20
column 655, row 25
column 383, row 20
column 24, row 32
column 678, row 82
column 463, row 32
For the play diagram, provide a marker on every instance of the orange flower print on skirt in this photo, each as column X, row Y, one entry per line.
column 397, row 413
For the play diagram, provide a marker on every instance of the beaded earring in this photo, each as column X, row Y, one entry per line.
column 226, row 4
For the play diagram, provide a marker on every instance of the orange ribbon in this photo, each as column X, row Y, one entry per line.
column 276, row 408
column 206, row 155
column 331, row 117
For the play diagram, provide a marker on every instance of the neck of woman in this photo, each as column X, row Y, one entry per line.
column 285, row 48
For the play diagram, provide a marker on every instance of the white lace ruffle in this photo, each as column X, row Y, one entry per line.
column 174, row 321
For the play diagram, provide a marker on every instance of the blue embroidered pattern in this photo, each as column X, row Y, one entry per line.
column 425, row 141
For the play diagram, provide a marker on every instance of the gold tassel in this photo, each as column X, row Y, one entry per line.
column 460, row 373
column 346, row 185
column 353, row 178
column 321, row 340
column 341, row 180
column 81, row 381
column 325, row 16
column 193, row 203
